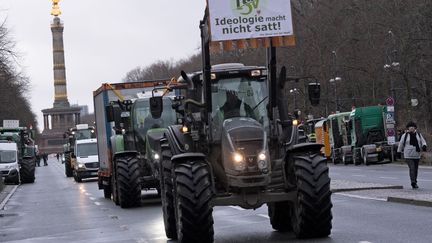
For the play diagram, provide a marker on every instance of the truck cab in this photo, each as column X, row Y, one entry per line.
column 85, row 159
column 9, row 166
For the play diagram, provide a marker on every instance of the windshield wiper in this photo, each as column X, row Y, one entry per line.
column 259, row 103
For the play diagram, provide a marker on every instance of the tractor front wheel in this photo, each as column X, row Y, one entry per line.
column 192, row 191
column 128, row 181
column 311, row 214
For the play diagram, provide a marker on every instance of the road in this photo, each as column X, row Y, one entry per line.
column 56, row 209
column 393, row 174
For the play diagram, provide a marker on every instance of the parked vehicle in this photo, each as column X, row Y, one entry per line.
column 339, row 136
column 9, row 166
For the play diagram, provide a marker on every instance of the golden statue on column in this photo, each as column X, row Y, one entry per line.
column 55, row 11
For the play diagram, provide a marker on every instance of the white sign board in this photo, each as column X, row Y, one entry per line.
column 245, row 19
column 390, row 108
column 391, row 140
column 10, row 123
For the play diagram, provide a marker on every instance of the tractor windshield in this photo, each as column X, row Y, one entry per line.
column 85, row 134
column 143, row 120
column 7, row 156
column 239, row 97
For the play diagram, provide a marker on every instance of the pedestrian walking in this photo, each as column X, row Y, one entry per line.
column 45, row 159
column 38, row 159
column 411, row 144
column 58, row 157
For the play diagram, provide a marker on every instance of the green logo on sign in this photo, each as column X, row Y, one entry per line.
column 245, row 7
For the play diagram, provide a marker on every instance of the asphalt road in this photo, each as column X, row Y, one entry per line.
column 393, row 174
column 56, row 209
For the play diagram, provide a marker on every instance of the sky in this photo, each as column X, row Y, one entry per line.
column 103, row 40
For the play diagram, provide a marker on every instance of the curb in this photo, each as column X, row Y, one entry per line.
column 3, row 204
column 365, row 188
column 409, row 201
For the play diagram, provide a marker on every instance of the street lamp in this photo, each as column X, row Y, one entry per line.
column 295, row 91
column 335, row 79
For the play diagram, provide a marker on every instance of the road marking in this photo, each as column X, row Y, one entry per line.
column 92, row 198
column 88, row 194
column 97, row 203
column 237, row 208
column 388, row 177
column 426, row 180
column 361, row 197
column 359, row 175
column 264, row 216
column 3, row 204
column 363, row 241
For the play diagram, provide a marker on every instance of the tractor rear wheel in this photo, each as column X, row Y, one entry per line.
column 166, row 190
column 68, row 165
column 27, row 170
column 128, row 181
column 192, row 191
column 311, row 214
column 280, row 216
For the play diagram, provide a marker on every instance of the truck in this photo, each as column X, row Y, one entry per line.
column 9, row 166
column 339, row 136
column 86, row 161
column 238, row 144
column 128, row 137
column 368, row 137
column 23, row 137
column 72, row 135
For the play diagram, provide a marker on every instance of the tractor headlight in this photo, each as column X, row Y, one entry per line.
column 239, row 163
column 262, row 161
column 156, row 156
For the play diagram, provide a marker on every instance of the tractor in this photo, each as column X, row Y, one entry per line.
column 238, row 144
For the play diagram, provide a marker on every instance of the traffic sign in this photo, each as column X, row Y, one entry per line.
column 391, row 140
column 390, row 117
column 390, row 108
column 390, row 101
column 391, row 132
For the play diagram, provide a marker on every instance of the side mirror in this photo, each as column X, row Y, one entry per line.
column 314, row 90
column 156, row 107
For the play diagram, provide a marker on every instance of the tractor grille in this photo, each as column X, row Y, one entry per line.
column 92, row 165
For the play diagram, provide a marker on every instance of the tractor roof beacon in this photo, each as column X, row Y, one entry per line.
column 238, row 145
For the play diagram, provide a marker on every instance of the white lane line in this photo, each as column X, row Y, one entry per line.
column 88, row 194
column 97, row 203
column 425, row 180
column 388, row 177
column 361, row 197
column 359, row 175
column 92, row 198
column 264, row 216
column 363, row 241
column 237, row 208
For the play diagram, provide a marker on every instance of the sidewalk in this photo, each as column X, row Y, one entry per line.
column 389, row 193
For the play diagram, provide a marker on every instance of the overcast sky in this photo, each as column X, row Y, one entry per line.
column 104, row 39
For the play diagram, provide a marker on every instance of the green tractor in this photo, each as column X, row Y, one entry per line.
column 239, row 145
column 79, row 132
column 23, row 137
column 368, row 138
column 129, row 151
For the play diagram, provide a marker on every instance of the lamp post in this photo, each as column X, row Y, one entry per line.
column 391, row 63
column 294, row 91
column 335, row 79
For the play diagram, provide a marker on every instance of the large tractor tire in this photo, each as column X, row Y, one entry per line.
column 280, row 216
column 68, row 165
column 166, row 188
column 128, row 181
column 114, row 189
column 192, row 195
column 27, row 170
column 311, row 214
